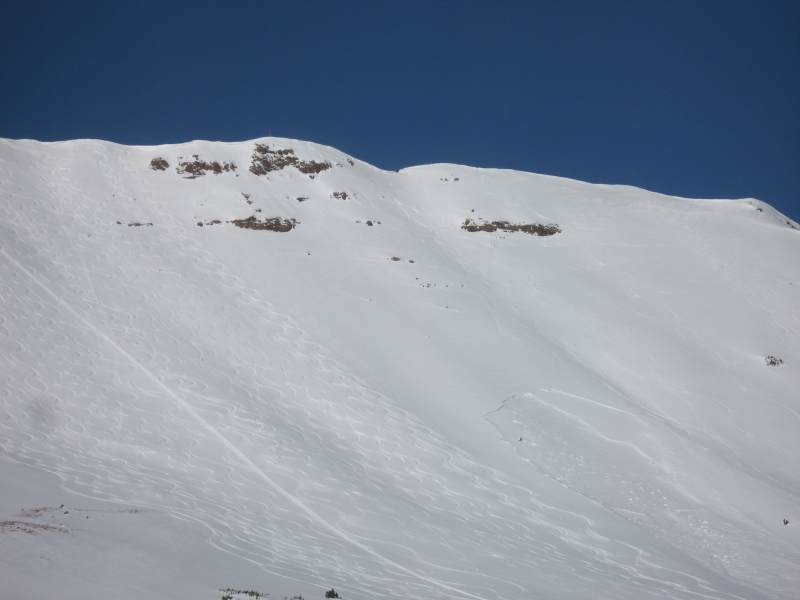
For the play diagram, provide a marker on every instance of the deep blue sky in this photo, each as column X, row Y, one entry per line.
column 698, row 98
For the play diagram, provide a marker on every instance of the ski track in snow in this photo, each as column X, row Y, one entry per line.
column 238, row 454
column 145, row 368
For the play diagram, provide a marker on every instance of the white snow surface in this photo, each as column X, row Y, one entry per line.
column 494, row 415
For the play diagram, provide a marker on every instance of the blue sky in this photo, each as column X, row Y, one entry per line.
column 698, row 99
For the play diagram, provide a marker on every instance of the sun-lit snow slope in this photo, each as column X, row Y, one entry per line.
column 494, row 415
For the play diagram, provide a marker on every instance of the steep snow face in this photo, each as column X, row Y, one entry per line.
column 269, row 366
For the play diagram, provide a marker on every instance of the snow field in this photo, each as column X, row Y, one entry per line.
column 324, row 416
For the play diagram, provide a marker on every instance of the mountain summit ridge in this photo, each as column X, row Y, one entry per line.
column 305, row 373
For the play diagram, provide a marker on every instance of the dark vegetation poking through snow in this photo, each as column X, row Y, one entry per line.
column 197, row 168
column 312, row 166
column 232, row 594
column 158, row 164
column 266, row 160
column 29, row 528
column 772, row 361
column 530, row 228
column 271, row 224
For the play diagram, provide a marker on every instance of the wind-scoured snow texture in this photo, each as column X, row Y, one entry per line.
column 587, row 414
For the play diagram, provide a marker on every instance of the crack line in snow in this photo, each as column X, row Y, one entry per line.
column 181, row 402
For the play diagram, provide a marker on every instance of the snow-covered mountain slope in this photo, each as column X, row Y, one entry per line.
column 388, row 397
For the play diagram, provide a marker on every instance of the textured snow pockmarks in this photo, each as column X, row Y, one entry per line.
column 197, row 168
column 530, row 228
column 591, row 447
column 266, row 160
column 270, row 224
column 602, row 450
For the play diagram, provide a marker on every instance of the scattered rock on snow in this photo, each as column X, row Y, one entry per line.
column 270, row 224
column 265, row 161
column 530, row 228
column 197, row 168
column 158, row 164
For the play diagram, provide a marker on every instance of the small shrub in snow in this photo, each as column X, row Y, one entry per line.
column 30, row 528
column 529, row 228
column 331, row 593
column 232, row 594
column 265, row 161
column 158, row 164
column 197, row 168
column 311, row 166
column 772, row 361
column 271, row 224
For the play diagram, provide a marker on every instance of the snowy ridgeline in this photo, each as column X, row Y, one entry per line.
column 269, row 367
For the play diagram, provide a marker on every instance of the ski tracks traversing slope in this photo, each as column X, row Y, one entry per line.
column 101, row 468
column 390, row 507
column 623, row 462
column 88, row 468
